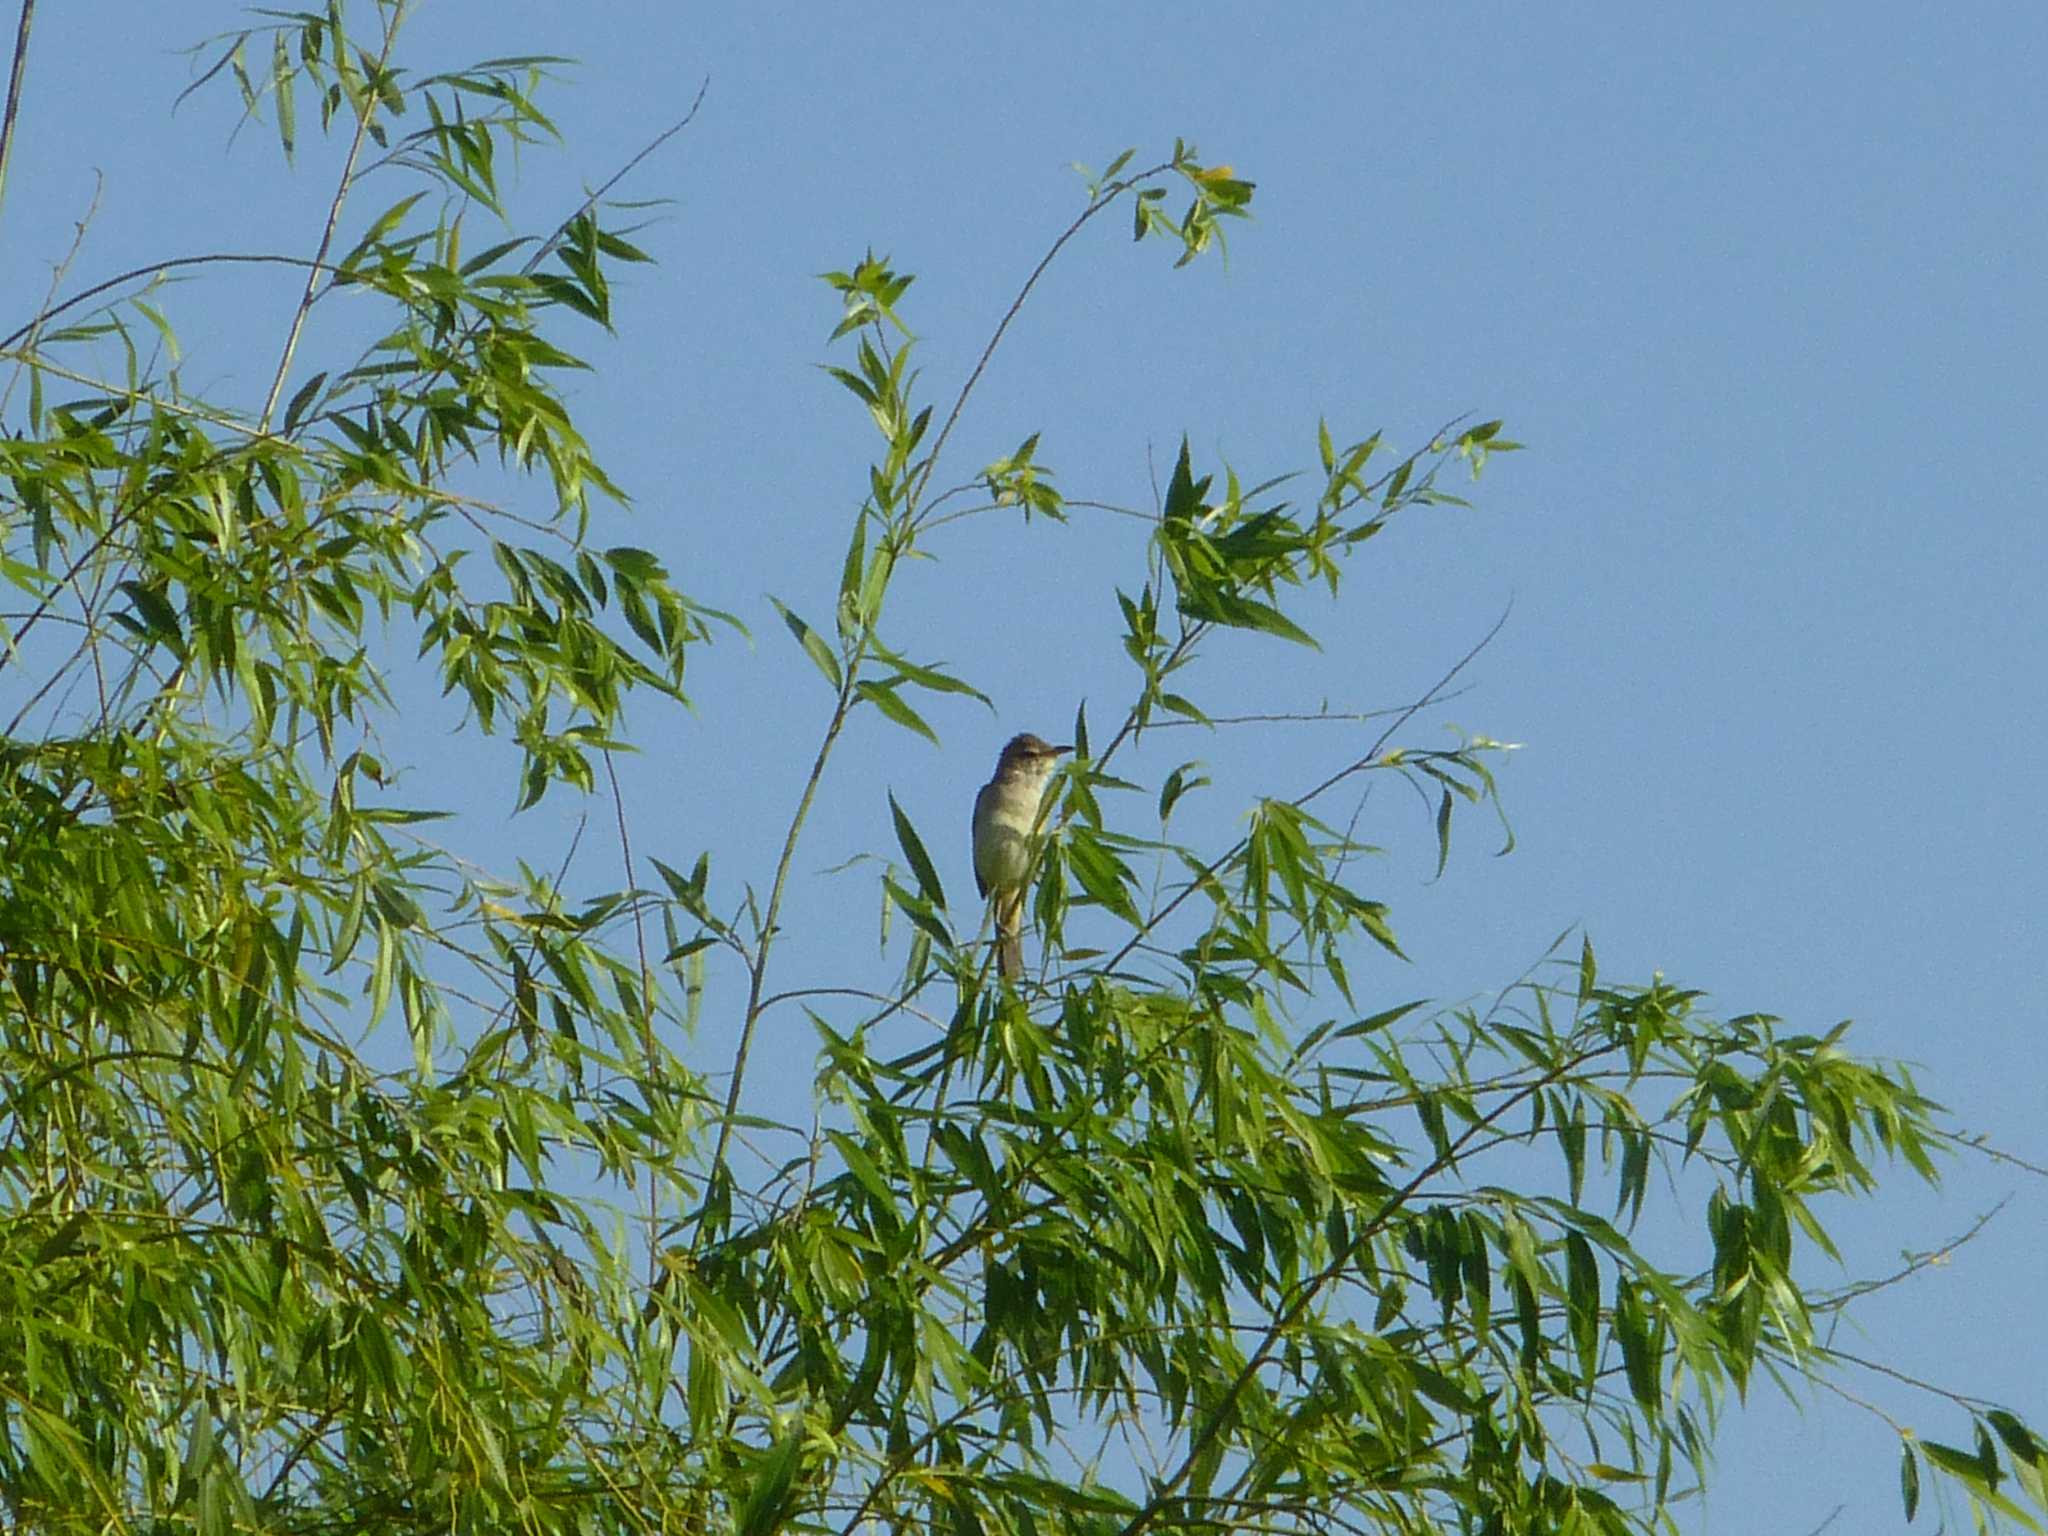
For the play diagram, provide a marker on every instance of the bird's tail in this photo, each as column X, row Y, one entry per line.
column 1010, row 937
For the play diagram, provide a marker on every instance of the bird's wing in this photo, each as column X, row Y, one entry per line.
column 973, row 836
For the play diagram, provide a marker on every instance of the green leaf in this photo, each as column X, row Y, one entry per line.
column 1183, row 492
column 1179, row 783
column 884, row 698
column 814, row 646
column 1220, row 607
column 158, row 620
column 1100, row 874
column 920, row 861
column 1582, row 1302
column 1377, row 1021
column 381, row 226
column 929, row 678
column 1909, row 1481
column 923, row 916
column 766, row 1503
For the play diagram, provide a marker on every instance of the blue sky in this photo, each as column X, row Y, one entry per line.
column 1760, row 288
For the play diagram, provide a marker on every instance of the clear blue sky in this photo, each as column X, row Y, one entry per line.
column 1760, row 287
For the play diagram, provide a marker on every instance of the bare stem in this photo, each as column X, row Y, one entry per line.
column 364, row 114
column 1103, row 199
column 28, row 11
column 758, row 970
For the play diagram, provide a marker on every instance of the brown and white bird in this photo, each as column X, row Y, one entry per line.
column 1007, row 836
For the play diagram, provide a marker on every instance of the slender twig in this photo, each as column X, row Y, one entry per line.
column 1320, row 717
column 99, row 184
column 890, row 1005
column 1102, row 200
column 43, row 317
column 1984, row 1148
column 144, row 396
column 1914, row 1264
column 758, row 970
column 28, row 11
column 1371, row 755
column 1962, row 1400
column 639, row 925
column 365, row 113
column 646, row 1003
column 614, row 179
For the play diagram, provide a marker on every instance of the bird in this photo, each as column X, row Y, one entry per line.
column 1007, row 838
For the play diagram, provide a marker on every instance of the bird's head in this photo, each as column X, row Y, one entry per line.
column 1029, row 755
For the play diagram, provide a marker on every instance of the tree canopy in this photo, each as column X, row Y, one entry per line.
column 348, row 1182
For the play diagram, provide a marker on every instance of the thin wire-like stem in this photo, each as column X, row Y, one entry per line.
column 645, row 1008
column 99, row 183
column 561, row 229
column 46, row 315
column 758, row 970
column 364, row 115
column 14, row 78
column 1102, row 200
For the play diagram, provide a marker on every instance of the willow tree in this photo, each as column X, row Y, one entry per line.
column 347, row 1183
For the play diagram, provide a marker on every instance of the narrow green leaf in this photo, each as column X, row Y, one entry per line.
column 1101, row 874
column 1183, row 492
column 764, row 1507
column 1582, row 1301
column 923, row 916
column 884, row 698
column 1179, row 783
column 159, row 620
column 920, row 862
column 814, row 646
column 281, row 93
column 1377, row 1021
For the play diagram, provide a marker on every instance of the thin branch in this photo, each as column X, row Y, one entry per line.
column 841, row 711
column 365, row 113
column 646, row 1002
column 1914, row 1263
column 1984, row 1148
column 548, row 245
column 37, row 321
column 13, row 108
column 1103, row 199
column 1401, row 718
column 99, row 184
column 1320, row 717
column 890, row 1005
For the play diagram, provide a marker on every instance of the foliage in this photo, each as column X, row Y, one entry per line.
column 1184, row 1234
